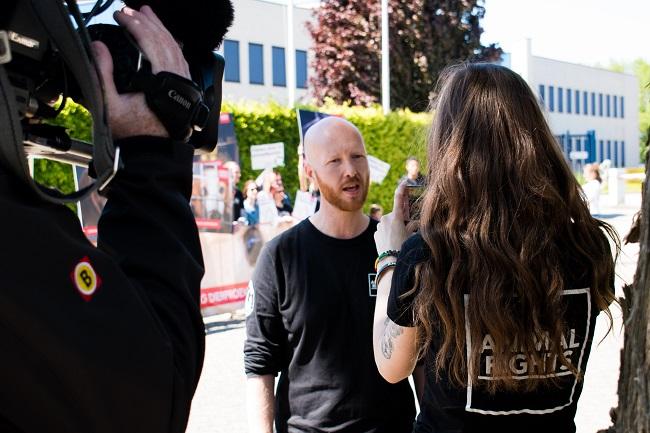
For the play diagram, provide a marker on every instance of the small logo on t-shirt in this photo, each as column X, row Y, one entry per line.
column 249, row 305
column 85, row 279
column 372, row 286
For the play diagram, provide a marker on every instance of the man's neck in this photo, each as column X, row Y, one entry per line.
column 338, row 223
column 413, row 176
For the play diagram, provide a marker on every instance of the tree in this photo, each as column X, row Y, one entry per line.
column 425, row 36
column 632, row 414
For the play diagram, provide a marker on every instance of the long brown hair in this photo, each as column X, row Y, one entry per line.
column 501, row 214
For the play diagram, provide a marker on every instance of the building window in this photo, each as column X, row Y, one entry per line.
column 551, row 98
column 609, row 149
column 577, row 101
column 601, row 145
column 542, row 95
column 600, row 105
column 593, row 103
column 231, row 56
column 615, row 106
column 568, row 100
column 560, row 100
column 301, row 69
column 256, row 63
column 609, row 106
column 615, row 153
column 622, row 107
column 279, row 68
column 622, row 153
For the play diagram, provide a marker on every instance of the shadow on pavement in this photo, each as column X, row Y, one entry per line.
column 223, row 326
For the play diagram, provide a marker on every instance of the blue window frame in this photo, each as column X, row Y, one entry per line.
column 560, row 100
column 301, row 69
column 593, row 104
column 622, row 153
column 601, row 145
column 255, row 63
column 609, row 105
column 577, row 101
column 600, row 105
column 279, row 67
column 569, row 100
column 231, row 56
column 615, row 106
column 542, row 95
column 609, row 149
column 622, row 107
column 615, row 153
column 551, row 98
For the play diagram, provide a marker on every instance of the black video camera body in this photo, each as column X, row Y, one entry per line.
column 40, row 74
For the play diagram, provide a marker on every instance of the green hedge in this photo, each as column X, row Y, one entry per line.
column 390, row 138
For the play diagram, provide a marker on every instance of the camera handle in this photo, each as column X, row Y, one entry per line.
column 176, row 101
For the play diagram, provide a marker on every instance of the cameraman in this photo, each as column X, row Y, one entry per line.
column 106, row 339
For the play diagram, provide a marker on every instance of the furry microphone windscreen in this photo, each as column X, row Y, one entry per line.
column 199, row 24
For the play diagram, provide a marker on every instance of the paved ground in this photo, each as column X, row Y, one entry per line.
column 219, row 404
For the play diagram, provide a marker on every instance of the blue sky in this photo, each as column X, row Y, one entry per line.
column 581, row 31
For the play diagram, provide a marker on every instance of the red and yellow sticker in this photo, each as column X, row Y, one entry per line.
column 85, row 279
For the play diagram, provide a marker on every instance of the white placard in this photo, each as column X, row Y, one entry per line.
column 304, row 206
column 378, row 169
column 267, row 155
column 578, row 154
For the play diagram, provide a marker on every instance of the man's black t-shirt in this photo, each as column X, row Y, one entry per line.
column 446, row 408
column 237, row 204
column 310, row 311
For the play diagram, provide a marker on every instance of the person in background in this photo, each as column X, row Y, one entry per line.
column 251, row 210
column 500, row 288
column 376, row 212
column 279, row 185
column 592, row 187
column 238, row 196
column 282, row 204
column 412, row 176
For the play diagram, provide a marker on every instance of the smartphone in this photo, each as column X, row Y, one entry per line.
column 414, row 193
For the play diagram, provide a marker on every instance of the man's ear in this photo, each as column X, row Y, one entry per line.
column 309, row 171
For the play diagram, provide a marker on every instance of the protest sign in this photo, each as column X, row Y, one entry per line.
column 304, row 206
column 267, row 156
column 378, row 169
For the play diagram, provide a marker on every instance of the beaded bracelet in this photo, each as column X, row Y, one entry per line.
column 383, row 270
column 388, row 253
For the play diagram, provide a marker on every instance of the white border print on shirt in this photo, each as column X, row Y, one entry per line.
column 547, row 399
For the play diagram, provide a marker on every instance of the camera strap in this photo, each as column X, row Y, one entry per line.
column 177, row 101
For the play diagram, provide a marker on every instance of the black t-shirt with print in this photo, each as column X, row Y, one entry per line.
column 310, row 312
column 446, row 408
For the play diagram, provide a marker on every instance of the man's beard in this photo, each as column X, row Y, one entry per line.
column 335, row 197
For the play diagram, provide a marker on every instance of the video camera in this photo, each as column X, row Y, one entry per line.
column 46, row 56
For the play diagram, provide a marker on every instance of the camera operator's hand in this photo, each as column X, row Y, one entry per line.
column 128, row 114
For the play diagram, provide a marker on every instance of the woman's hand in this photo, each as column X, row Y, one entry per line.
column 391, row 231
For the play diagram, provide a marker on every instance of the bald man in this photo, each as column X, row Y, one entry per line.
column 310, row 308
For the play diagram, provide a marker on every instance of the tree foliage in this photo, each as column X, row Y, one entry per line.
column 425, row 36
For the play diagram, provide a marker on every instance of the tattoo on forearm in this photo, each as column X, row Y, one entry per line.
column 391, row 330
